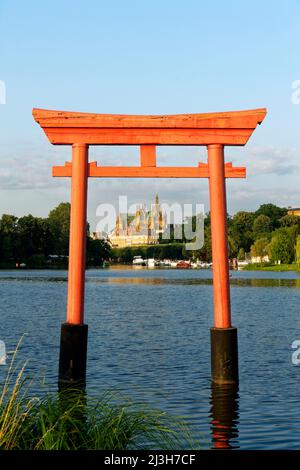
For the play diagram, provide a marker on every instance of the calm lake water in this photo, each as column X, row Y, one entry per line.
column 149, row 339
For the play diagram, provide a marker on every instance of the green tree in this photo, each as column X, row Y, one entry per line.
column 240, row 229
column 30, row 236
column 289, row 232
column 243, row 220
column 205, row 252
column 59, row 224
column 259, row 248
column 281, row 248
column 127, row 255
column 8, row 224
column 207, row 220
column 8, row 240
column 290, row 220
column 262, row 224
column 97, row 251
column 170, row 251
column 241, row 254
column 298, row 251
column 274, row 212
column 47, row 241
column 233, row 247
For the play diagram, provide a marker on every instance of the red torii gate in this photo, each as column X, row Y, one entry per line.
column 214, row 130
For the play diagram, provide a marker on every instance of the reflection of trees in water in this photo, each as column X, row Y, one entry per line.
column 224, row 415
column 234, row 282
column 265, row 282
column 160, row 280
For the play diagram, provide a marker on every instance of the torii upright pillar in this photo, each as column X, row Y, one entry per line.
column 74, row 333
column 214, row 130
column 224, row 345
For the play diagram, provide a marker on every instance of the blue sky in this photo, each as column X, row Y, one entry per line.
column 148, row 57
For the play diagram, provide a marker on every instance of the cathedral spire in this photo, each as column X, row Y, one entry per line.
column 138, row 219
column 117, row 226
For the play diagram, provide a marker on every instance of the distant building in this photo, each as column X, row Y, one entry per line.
column 143, row 228
column 294, row 211
column 260, row 259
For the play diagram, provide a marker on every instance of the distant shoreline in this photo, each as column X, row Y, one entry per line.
column 249, row 267
column 272, row 267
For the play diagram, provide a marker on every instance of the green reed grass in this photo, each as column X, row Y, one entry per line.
column 68, row 420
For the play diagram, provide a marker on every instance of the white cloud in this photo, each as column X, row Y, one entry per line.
column 271, row 160
column 28, row 167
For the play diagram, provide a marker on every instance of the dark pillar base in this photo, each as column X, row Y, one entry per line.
column 72, row 358
column 224, row 355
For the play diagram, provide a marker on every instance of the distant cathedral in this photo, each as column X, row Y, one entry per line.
column 142, row 229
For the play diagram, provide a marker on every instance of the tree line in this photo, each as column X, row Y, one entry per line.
column 40, row 242
column 36, row 241
column 269, row 230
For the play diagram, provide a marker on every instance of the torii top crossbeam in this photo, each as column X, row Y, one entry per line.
column 226, row 128
column 214, row 130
